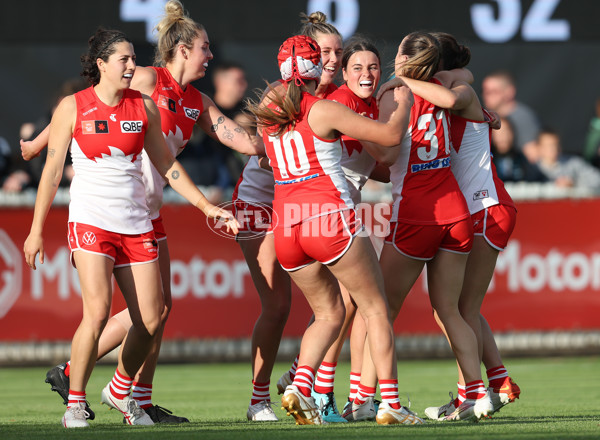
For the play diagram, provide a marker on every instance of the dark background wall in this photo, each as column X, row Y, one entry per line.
column 551, row 46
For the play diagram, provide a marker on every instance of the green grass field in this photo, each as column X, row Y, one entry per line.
column 560, row 400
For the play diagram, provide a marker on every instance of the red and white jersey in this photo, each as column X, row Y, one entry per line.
column 255, row 184
column 107, row 190
column 357, row 163
column 179, row 110
column 472, row 163
column 306, row 169
column 424, row 189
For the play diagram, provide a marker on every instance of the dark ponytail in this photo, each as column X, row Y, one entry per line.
column 454, row 55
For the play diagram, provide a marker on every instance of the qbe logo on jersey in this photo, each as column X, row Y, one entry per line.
column 131, row 126
column 192, row 113
column 10, row 273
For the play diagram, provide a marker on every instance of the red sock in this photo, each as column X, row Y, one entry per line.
column 260, row 392
column 475, row 389
column 363, row 393
column 294, row 367
column 68, row 369
column 462, row 395
column 496, row 376
column 120, row 385
column 303, row 380
column 75, row 397
column 354, row 381
column 325, row 378
column 389, row 392
column 142, row 393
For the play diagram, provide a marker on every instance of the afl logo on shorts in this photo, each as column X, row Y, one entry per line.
column 89, row 238
column 254, row 220
column 192, row 113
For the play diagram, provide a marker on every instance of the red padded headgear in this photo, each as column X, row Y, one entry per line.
column 299, row 58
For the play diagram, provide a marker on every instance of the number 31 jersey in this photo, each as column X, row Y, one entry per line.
column 424, row 189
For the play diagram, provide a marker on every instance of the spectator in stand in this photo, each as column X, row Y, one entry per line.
column 499, row 94
column 4, row 159
column 564, row 170
column 28, row 174
column 229, row 80
column 511, row 164
column 591, row 148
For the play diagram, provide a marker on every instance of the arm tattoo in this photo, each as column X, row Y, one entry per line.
column 175, row 175
column 215, row 127
column 51, row 152
column 239, row 130
column 227, row 134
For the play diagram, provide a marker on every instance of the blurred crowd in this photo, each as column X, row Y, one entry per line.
column 523, row 149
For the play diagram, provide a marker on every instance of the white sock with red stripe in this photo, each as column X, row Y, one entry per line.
column 475, row 390
column 325, row 378
column 142, row 393
column 363, row 393
column 120, row 385
column 260, row 392
column 389, row 392
column 496, row 376
column 75, row 397
column 462, row 395
column 354, row 381
column 303, row 380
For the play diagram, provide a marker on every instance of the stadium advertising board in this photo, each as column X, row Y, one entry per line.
column 547, row 279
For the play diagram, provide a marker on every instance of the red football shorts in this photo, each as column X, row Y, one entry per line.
column 123, row 249
column 422, row 242
column 495, row 224
column 160, row 232
column 253, row 218
column 324, row 239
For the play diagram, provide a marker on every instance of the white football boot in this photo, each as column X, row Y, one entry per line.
column 133, row 414
column 261, row 412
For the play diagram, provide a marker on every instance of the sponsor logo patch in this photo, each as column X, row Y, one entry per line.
column 94, row 127
column 150, row 244
column 89, row 238
column 481, row 194
column 167, row 103
column 432, row 165
column 192, row 113
column 131, row 126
